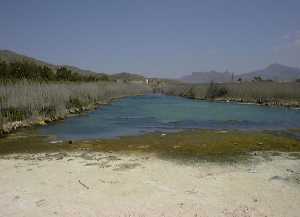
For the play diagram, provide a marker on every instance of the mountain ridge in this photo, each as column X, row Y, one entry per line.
column 12, row 56
column 275, row 72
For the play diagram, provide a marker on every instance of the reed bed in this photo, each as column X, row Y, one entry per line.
column 30, row 100
column 266, row 90
column 246, row 91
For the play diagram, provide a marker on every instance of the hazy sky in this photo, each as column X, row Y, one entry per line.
column 154, row 37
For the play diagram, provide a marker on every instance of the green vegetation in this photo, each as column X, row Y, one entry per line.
column 186, row 145
column 15, row 71
column 203, row 144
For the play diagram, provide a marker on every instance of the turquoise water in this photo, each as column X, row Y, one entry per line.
column 142, row 114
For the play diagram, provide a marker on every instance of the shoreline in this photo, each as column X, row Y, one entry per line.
column 273, row 104
column 114, row 184
column 188, row 145
column 40, row 121
column 11, row 127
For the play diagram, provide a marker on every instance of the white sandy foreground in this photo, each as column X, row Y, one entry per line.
column 108, row 184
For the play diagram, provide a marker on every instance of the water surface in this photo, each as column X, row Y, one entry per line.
column 143, row 114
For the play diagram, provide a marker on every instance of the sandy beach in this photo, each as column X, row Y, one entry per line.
column 111, row 184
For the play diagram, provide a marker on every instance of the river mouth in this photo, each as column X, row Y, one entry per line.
column 140, row 115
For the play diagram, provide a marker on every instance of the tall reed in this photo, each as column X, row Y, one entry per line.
column 28, row 100
column 248, row 91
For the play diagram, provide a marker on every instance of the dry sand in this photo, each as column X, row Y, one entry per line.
column 109, row 184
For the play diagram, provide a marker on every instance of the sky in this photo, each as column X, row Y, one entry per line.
column 157, row 38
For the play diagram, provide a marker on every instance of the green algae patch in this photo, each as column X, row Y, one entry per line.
column 30, row 142
column 204, row 144
column 192, row 144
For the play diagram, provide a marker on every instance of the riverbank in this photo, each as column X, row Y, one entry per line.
column 115, row 184
column 41, row 121
column 292, row 104
column 276, row 103
column 25, row 103
column 279, row 94
column 185, row 146
column 191, row 173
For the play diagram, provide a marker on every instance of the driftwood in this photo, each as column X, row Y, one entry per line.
column 84, row 185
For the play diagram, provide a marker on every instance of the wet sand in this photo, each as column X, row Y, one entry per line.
column 115, row 184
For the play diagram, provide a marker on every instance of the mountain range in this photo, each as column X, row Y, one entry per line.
column 275, row 72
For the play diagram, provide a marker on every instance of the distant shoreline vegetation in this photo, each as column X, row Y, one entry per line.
column 268, row 93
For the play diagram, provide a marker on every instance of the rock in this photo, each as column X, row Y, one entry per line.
column 279, row 178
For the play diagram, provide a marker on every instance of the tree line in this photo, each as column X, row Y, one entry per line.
column 31, row 71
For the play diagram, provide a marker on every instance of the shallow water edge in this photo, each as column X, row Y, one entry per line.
column 185, row 146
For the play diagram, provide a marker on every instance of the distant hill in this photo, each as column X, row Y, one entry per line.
column 127, row 76
column 206, row 77
column 275, row 72
column 10, row 56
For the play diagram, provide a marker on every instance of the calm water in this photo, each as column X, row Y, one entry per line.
column 137, row 115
